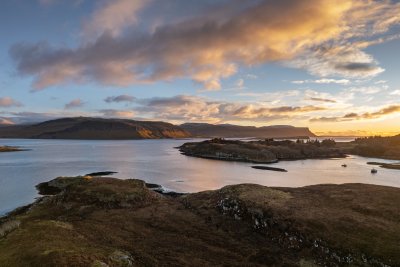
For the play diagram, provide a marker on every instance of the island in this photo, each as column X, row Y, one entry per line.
column 91, row 221
column 261, row 151
column 266, row 151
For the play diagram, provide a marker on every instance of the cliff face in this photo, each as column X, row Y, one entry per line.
column 95, row 128
column 235, row 131
column 111, row 222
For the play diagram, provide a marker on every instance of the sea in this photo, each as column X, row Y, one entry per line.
column 158, row 161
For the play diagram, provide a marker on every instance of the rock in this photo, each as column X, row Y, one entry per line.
column 121, row 259
column 8, row 226
column 104, row 173
column 269, row 168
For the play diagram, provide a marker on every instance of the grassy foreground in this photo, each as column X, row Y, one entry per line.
column 112, row 222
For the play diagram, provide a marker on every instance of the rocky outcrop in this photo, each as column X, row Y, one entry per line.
column 265, row 151
column 94, row 128
column 111, row 222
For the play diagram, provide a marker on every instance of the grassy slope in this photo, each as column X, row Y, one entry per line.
column 122, row 223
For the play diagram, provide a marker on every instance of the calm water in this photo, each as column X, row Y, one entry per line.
column 157, row 161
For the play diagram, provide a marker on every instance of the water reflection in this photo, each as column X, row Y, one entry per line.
column 157, row 161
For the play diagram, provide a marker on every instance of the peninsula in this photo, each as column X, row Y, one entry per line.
column 110, row 222
column 117, row 129
column 271, row 151
column 94, row 128
column 262, row 151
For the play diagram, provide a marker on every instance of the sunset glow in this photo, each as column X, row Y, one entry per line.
column 330, row 65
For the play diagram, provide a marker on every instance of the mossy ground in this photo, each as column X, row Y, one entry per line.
column 111, row 222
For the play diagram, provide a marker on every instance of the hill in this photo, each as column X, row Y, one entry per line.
column 236, row 131
column 110, row 222
column 94, row 128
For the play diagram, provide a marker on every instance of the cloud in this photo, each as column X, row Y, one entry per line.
column 389, row 110
column 322, row 100
column 272, row 97
column 251, row 76
column 112, row 16
column 239, row 83
column 6, row 121
column 369, row 90
column 339, row 100
column 342, row 60
column 323, row 81
column 288, row 109
column 113, row 113
column 191, row 108
column 395, row 92
column 8, row 102
column 212, row 45
column 120, row 98
column 356, row 66
column 76, row 103
column 382, row 112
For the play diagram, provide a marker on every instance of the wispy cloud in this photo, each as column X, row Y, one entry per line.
column 120, row 98
column 323, row 81
column 395, row 92
column 7, row 102
column 114, row 113
column 112, row 17
column 389, row 110
column 343, row 60
column 190, row 108
column 317, row 99
column 368, row 90
column 76, row 103
column 6, row 121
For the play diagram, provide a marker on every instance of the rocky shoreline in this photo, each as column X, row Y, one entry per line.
column 261, row 151
column 10, row 149
column 88, row 221
column 393, row 166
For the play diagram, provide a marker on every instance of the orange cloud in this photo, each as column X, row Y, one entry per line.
column 213, row 45
column 367, row 115
column 190, row 108
column 7, row 102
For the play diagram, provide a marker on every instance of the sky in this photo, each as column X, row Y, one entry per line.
column 330, row 65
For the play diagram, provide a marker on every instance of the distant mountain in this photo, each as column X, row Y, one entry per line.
column 94, row 128
column 236, row 131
